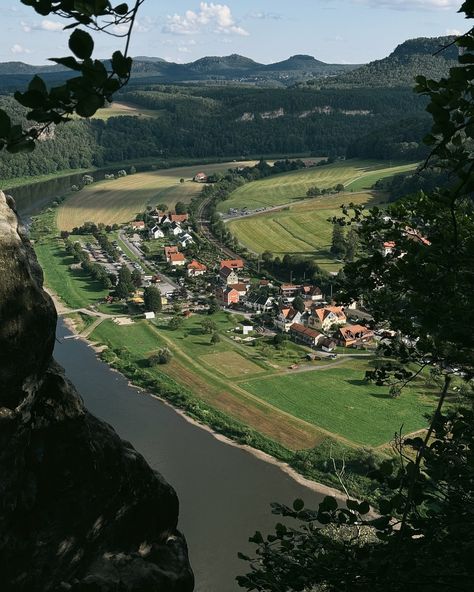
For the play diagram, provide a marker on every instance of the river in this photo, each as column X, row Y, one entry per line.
column 224, row 491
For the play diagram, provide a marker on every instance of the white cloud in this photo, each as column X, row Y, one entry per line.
column 412, row 4
column 456, row 32
column 215, row 18
column 17, row 48
column 44, row 25
column 260, row 15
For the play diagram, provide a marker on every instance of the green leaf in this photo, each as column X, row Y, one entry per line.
column 121, row 9
column 37, row 84
column 69, row 62
column 88, row 106
column 298, row 505
column 120, row 64
column 81, row 44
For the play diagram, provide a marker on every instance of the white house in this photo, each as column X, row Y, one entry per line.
column 186, row 239
column 176, row 229
column 261, row 303
column 156, row 232
column 287, row 316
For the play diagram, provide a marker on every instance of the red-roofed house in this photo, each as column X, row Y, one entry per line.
column 180, row 218
column 195, row 268
column 170, row 251
column 353, row 335
column 241, row 288
column 235, row 264
column 312, row 293
column 138, row 225
column 287, row 316
column 177, row 259
column 323, row 318
column 227, row 296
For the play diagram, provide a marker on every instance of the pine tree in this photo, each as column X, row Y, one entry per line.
column 338, row 243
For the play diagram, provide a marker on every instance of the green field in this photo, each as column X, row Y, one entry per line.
column 118, row 201
column 300, row 229
column 288, row 187
column 340, row 401
column 117, row 109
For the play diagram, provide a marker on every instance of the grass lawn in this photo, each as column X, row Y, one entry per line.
column 303, row 228
column 118, row 201
column 288, row 187
column 75, row 288
column 338, row 400
column 231, row 364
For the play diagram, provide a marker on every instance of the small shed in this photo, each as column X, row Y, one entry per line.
column 246, row 329
column 149, row 315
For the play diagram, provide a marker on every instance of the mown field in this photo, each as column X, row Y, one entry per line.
column 119, row 200
column 117, row 109
column 340, row 401
column 300, row 229
column 287, row 187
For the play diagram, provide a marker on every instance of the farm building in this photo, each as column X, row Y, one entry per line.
column 302, row 334
column 354, row 335
column 228, row 276
column 200, row 178
column 195, row 268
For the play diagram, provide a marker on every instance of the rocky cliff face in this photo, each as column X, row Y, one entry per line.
column 79, row 508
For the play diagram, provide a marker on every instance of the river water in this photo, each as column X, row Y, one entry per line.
column 224, row 491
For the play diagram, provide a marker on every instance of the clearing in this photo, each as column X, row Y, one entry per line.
column 231, row 364
column 300, row 229
column 287, row 187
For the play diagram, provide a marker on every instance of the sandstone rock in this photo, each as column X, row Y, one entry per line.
column 80, row 509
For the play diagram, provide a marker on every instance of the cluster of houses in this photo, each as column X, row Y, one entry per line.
column 170, row 223
column 233, row 289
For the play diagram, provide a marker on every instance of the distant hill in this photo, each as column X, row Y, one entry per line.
column 410, row 59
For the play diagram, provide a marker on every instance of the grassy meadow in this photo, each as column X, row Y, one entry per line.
column 300, row 229
column 118, row 201
column 287, row 187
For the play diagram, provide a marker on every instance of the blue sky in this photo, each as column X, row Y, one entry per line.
column 340, row 31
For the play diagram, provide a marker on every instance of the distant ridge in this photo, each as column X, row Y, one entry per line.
column 409, row 59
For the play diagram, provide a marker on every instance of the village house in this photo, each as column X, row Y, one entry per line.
column 290, row 291
column 185, row 240
column 156, row 232
column 235, row 264
column 354, row 335
column 287, row 316
column 228, row 276
column 179, row 218
column 305, row 335
column 177, row 259
column 200, row 178
column 265, row 284
column 261, row 303
column 312, row 293
column 241, row 289
column 323, row 318
column 227, row 296
column 195, row 268
column 176, row 229
column 170, row 251
column 138, row 225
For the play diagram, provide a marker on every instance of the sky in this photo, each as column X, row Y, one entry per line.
column 334, row 31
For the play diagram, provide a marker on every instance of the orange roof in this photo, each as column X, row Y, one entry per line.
column 177, row 257
column 138, row 224
column 290, row 287
column 354, row 332
column 239, row 287
column 232, row 263
column 337, row 310
column 389, row 244
column 178, row 217
column 197, row 266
